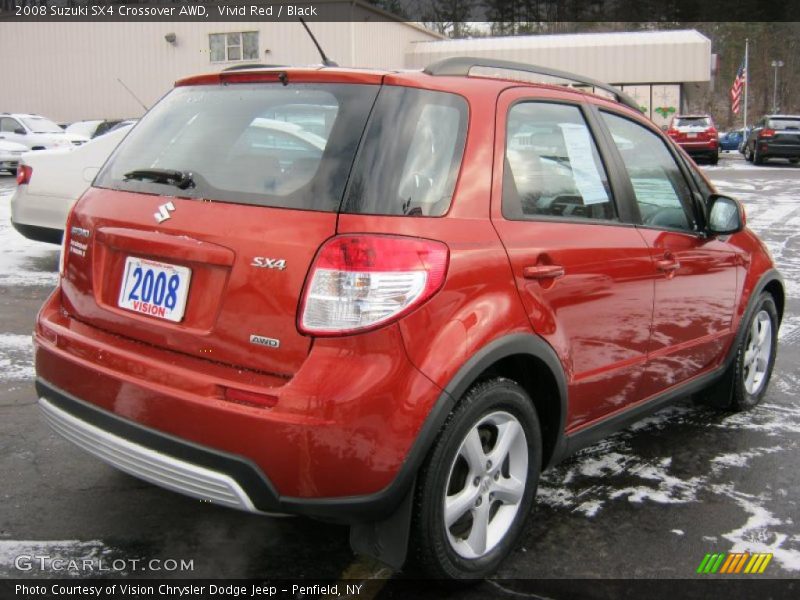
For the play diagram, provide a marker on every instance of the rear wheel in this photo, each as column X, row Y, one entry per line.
column 748, row 154
column 714, row 158
column 477, row 486
column 758, row 159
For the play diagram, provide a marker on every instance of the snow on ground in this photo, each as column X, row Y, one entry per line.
column 18, row 254
column 19, row 555
column 18, row 268
column 16, row 357
column 614, row 471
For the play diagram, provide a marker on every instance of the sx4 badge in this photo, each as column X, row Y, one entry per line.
column 268, row 263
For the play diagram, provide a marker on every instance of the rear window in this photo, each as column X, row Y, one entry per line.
column 286, row 146
column 692, row 122
column 783, row 123
column 410, row 157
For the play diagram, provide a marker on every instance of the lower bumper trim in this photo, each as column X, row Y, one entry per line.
column 153, row 466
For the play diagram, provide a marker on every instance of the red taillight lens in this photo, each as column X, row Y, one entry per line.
column 359, row 282
column 24, row 173
column 764, row 133
column 672, row 132
column 713, row 133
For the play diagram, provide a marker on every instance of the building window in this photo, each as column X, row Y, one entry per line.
column 233, row 46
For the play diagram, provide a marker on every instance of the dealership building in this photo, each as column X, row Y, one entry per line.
column 86, row 70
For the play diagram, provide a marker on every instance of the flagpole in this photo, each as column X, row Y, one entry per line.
column 746, row 79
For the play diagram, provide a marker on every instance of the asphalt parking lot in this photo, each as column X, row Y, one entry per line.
column 649, row 502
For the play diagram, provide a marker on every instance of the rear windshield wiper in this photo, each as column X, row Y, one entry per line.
column 181, row 179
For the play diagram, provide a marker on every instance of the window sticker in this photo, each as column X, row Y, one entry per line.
column 581, row 159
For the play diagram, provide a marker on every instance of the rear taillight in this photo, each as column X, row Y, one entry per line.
column 765, row 133
column 712, row 133
column 62, row 258
column 24, row 173
column 359, row 282
column 672, row 132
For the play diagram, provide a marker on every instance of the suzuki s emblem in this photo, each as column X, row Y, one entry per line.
column 163, row 212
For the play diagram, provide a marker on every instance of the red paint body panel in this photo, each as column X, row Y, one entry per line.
column 349, row 408
column 328, row 436
column 218, row 242
column 693, row 307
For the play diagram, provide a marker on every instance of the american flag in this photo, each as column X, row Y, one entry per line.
column 736, row 89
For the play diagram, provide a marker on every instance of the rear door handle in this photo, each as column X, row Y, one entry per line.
column 668, row 265
column 543, row 272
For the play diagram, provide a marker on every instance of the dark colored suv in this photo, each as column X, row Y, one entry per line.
column 390, row 299
column 774, row 136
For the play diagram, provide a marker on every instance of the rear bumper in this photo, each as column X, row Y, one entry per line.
column 779, row 150
column 39, row 214
column 703, row 147
column 144, row 453
column 336, row 446
column 39, row 234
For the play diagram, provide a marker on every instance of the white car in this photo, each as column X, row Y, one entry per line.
column 32, row 131
column 9, row 156
column 51, row 181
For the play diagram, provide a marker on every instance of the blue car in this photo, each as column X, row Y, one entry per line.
column 731, row 140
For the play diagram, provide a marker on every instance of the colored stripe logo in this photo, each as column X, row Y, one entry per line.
column 735, row 563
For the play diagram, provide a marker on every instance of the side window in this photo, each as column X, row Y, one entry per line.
column 661, row 191
column 8, row 125
column 552, row 167
column 699, row 180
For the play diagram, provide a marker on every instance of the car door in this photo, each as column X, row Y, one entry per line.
column 581, row 271
column 694, row 274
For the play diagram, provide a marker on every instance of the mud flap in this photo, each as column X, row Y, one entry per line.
column 719, row 394
column 387, row 540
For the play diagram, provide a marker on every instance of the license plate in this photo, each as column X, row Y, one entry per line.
column 154, row 288
column 691, row 135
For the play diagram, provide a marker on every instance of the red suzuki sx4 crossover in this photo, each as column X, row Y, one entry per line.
column 391, row 299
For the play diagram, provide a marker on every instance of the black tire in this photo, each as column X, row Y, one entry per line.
column 748, row 154
column 741, row 398
column 758, row 159
column 431, row 551
column 714, row 158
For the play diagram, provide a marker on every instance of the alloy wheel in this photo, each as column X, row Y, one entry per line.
column 758, row 351
column 486, row 484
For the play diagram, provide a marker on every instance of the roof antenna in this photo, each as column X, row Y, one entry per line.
column 135, row 97
column 325, row 60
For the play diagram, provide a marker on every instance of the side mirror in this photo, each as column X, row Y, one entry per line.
column 20, row 131
column 725, row 215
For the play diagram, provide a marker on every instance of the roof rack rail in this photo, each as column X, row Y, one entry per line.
column 252, row 66
column 460, row 66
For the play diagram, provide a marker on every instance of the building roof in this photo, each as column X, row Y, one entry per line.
column 622, row 58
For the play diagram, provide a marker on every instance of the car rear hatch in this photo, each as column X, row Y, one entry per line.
column 692, row 129
column 201, row 227
column 786, row 132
